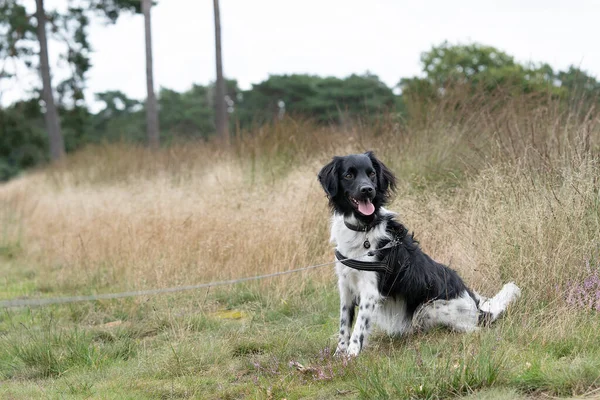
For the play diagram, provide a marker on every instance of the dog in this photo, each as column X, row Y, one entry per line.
column 382, row 270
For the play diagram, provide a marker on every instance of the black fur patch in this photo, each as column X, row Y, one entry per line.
column 351, row 313
column 416, row 276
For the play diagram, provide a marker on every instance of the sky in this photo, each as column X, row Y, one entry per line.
column 321, row 37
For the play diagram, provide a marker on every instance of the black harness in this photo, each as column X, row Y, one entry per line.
column 385, row 265
column 375, row 266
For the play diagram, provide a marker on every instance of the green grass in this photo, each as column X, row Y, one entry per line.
column 246, row 342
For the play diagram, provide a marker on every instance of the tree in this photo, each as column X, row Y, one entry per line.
column 476, row 67
column 151, row 104
column 446, row 64
column 22, row 125
column 23, row 29
column 327, row 100
column 56, row 141
column 23, row 142
column 221, row 122
column 582, row 87
column 187, row 115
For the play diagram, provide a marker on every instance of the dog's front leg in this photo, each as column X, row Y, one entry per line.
column 369, row 298
column 346, row 317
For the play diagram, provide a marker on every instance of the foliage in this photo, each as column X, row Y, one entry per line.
column 327, row 100
column 121, row 118
column 69, row 28
column 112, row 8
column 19, row 40
column 17, row 31
column 584, row 89
column 481, row 67
column 190, row 114
column 448, row 71
column 447, row 63
column 23, row 142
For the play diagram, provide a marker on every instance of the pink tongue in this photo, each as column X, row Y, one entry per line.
column 366, row 207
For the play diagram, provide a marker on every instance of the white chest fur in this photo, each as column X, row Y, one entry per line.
column 390, row 314
column 351, row 244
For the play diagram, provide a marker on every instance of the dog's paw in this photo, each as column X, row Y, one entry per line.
column 353, row 350
column 341, row 351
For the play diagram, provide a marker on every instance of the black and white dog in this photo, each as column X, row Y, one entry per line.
column 394, row 283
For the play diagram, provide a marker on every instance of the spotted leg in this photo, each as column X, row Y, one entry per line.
column 346, row 318
column 362, row 329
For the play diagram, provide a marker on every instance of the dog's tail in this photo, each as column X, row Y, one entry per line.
column 490, row 309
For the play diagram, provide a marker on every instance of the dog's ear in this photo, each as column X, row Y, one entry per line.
column 386, row 181
column 328, row 177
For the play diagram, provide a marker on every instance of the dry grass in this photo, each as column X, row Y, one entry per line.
column 499, row 193
column 156, row 232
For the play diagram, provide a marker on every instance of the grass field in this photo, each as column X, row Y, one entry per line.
column 507, row 190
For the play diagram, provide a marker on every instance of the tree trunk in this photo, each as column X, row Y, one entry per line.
column 57, row 144
column 221, row 122
column 151, row 105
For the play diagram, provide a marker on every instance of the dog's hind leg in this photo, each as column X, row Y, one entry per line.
column 459, row 314
column 496, row 305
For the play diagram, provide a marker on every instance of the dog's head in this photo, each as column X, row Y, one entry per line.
column 357, row 184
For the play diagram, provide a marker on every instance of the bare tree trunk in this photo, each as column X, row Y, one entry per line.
column 57, row 144
column 221, row 122
column 151, row 105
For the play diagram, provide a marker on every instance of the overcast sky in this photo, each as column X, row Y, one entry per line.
column 325, row 37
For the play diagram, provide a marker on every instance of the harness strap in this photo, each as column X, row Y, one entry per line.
column 375, row 266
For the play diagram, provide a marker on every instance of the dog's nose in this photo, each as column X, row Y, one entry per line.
column 366, row 190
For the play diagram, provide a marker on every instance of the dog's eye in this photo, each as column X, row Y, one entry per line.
column 348, row 176
column 372, row 174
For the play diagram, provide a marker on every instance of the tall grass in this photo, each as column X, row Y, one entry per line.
column 501, row 188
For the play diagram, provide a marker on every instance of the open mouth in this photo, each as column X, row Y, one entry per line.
column 365, row 207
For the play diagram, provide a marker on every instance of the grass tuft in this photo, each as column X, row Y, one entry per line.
column 52, row 352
